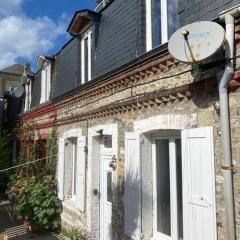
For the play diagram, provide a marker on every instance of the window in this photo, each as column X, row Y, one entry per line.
column 109, row 187
column 28, row 94
column 162, row 20
column 86, row 58
column 70, row 177
column 167, row 162
column 45, row 82
column 107, row 141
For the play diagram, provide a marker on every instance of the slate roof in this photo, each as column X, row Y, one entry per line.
column 118, row 39
column 15, row 69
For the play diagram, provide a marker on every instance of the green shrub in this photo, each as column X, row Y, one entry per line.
column 36, row 199
column 4, row 162
column 74, row 233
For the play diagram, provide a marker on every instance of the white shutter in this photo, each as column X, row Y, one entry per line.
column 81, row 163
column 132, row 186
column 61, row 146
column 199, row 214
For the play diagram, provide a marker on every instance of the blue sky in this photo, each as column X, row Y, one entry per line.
column 29, row 28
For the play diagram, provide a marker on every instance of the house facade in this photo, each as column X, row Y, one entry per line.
column 140, row 150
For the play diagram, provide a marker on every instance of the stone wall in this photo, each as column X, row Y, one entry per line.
column 165, row 89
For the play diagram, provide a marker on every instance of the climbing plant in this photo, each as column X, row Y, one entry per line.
column 53, row 149
column 33, row 189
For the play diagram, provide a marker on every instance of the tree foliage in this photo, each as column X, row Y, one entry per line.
column 4, row 162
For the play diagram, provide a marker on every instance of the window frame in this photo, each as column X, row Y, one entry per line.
column 74, row 170
column 28, row 95
column 45, row 82
column 149, row 23
column 88, row 35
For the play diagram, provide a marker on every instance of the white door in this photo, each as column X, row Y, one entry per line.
column 198, row 184
column 106, row 197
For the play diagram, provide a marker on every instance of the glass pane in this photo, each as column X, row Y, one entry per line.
column 179, row 187
column 107, row 141
column 156, row 25
column 109, row 187
column 163, row 187
column 75, row 168
column 173, row 17
column 86, row 58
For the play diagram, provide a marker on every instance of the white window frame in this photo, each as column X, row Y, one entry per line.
column 89, row 36
column 45, row 82
column 71, row 133
column 164, row 23
column 74, row 173
column 173, row 188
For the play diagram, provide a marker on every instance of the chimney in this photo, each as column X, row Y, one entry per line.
column 26, row 69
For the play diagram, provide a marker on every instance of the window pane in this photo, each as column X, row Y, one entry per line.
column 75, row 168
column 179, row 187
column 163, row 187
column 109, row 187
column 173, row 17
column 156, row 25
column 107, row 141
column 86, row 58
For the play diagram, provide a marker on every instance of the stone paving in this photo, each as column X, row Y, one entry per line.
column 14, row 229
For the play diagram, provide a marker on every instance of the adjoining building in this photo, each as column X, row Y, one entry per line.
column 140, row 148
column 10, row 106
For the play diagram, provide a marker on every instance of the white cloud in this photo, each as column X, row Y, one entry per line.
column 24, row 37
column 10, row 7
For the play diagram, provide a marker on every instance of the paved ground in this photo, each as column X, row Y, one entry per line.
column 14, row 229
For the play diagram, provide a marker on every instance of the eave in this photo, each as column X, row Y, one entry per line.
column 81, row 20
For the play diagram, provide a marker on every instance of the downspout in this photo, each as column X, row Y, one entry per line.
column 223, row 80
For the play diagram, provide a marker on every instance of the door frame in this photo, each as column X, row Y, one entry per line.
column 173, row 185
column 103, row 153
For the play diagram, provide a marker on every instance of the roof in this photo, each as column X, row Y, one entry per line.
column 15, row 69
column 81, row 19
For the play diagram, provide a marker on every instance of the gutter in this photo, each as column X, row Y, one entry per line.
column 223, row 80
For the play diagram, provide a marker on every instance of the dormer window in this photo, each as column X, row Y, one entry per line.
column 85, row 25
column 28, row 94
column 44, row 63
column 162, row 20
column 27, row 84
column 45, row 82
column 86, row 57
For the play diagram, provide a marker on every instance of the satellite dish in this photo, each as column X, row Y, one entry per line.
column 196, row 42
column 18, row 92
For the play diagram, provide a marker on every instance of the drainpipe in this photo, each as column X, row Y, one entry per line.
column 223, row 80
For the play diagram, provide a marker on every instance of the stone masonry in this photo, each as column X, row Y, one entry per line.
column 158, row 87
